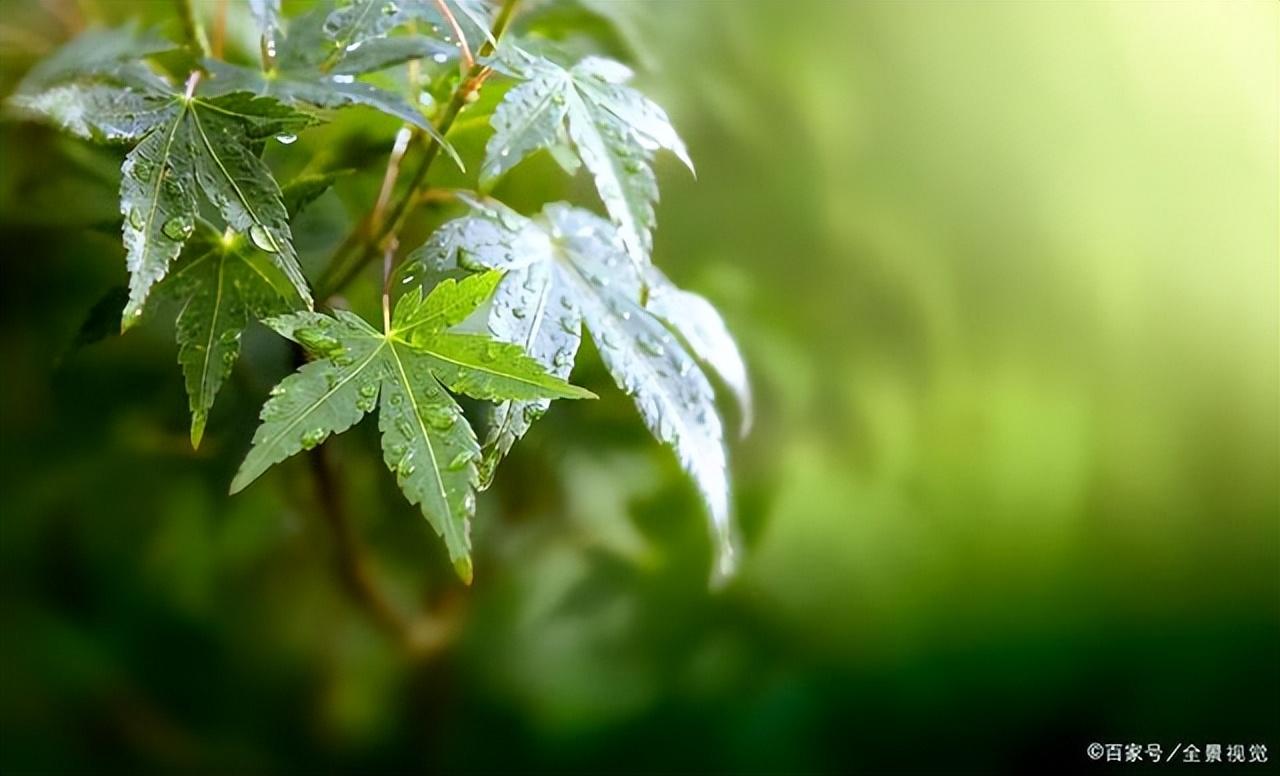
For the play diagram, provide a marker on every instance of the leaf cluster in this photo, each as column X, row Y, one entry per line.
column 206, row 229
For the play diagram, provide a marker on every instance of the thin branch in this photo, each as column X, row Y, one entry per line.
column 340, row 272
column 467, row 61
column 421, row 636
column 389, row 177
column 388, row 261
column 219, row 28
column 193, row 26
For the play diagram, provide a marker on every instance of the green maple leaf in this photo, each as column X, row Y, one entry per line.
column 566, row 268
column 425, row 440
column 319, row 61
column 96, row 51
column 218, row 292
column 613, row 129
column 361, row 21
column 185, row 144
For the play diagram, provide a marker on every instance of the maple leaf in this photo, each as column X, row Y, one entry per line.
column 613, row 129
column 185, row 144
column 425, row 440
column 218, row 292
column 318, row 62
column 565, row 268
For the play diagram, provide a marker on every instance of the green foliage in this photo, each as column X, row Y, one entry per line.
column 425, row 440
column 219, row 292
column 207, row 229
column 614, row 130
column 564, row 268
column 185, row 144
column 317, row 64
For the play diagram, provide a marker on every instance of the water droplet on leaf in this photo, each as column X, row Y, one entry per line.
column 313, row 437
column 263, row 239
column 176, row 228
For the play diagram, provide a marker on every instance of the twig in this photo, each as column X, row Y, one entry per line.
column 219, row 28
column 421, row 636
column 389, row 177
column 388, row 261
column 339, row 272
column 467, row 61
column 193, row 26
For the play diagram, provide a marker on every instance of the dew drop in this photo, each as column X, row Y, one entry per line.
column 176, row 228
column 317, row 341
column 460, row 460
column 368, row 391
column 135, row 218
column 651, row 346
column 405, row 467
column 355, row 46
column 390, row 9
column 263, row 239
column 287, row 139
column 313, row 437
column 467, row 260
column 439, row 419
column 440, row 58
column 344, row 79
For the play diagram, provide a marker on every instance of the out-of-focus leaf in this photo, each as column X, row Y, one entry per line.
column 698, row 323
column 96, row 51
column 101, row 321
column 305, row 189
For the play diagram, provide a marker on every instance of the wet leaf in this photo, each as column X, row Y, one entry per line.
column 426, row 441
column 218, row 293
column 566, row 268
column 613, row 129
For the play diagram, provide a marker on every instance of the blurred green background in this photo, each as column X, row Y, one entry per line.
column 1005, row 276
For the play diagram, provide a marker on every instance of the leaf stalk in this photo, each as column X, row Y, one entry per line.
column 342, row 272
